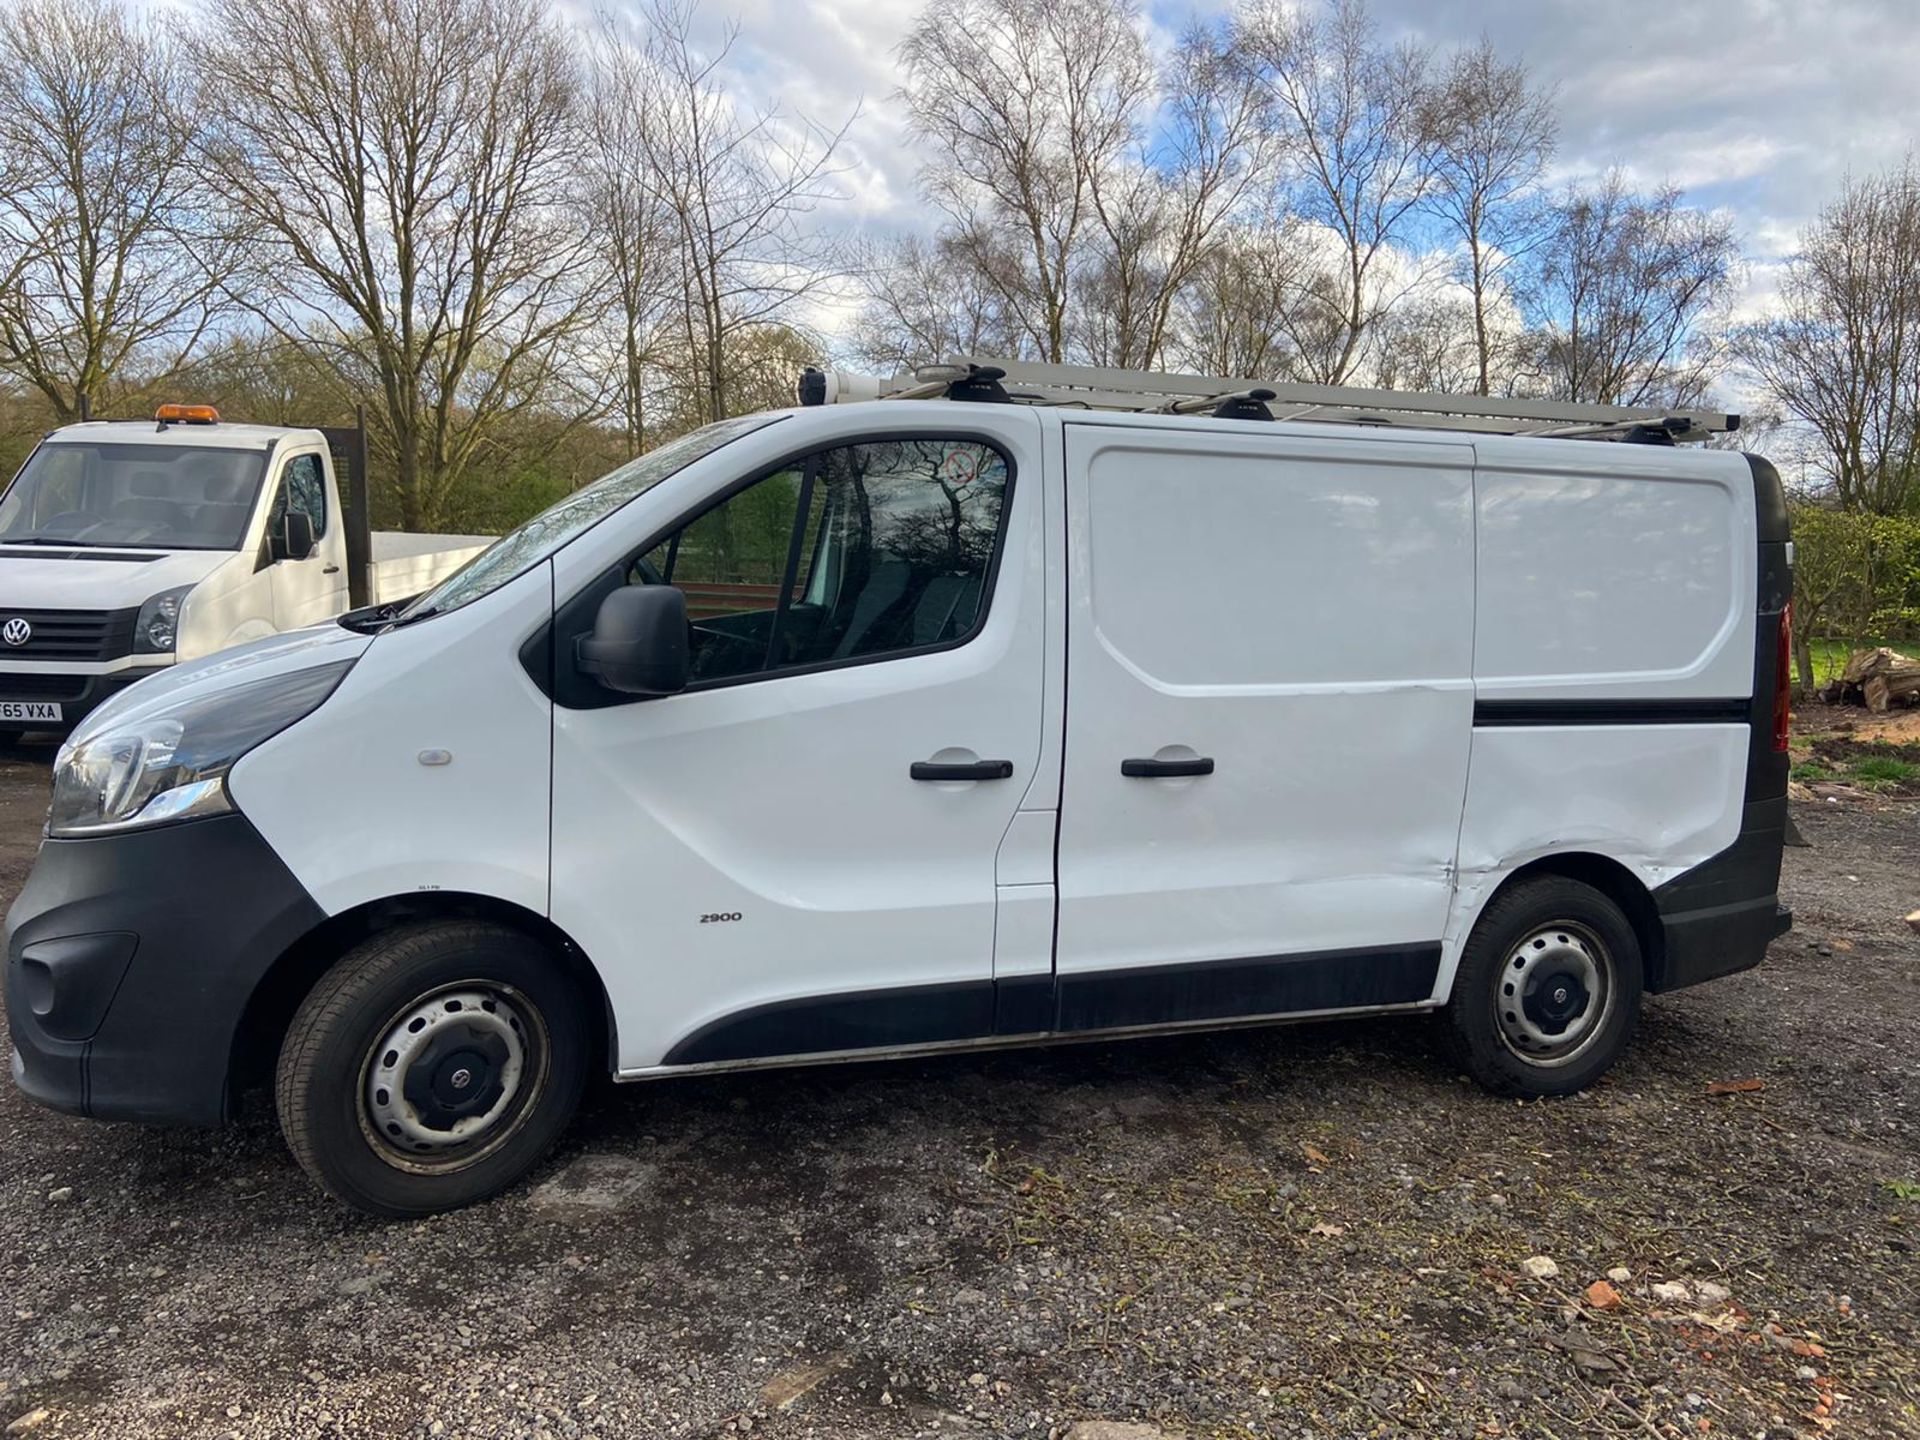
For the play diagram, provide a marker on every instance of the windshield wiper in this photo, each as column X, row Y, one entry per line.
column 369, row 618
column 51, row 540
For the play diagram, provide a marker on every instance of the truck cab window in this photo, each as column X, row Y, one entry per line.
column 303, row 487
column 858, row 552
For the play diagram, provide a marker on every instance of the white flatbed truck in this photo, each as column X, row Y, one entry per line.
column 129, row 545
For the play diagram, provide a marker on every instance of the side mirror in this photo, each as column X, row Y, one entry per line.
column 639, row 641
column 294, row 540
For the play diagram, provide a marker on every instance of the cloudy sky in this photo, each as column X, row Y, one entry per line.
column 1757, row 106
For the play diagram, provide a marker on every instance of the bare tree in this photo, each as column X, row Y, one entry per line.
column 1843, row 355
column 1261, row 305
column 1162, row 209
column 1427, row 343
column 408, row 166
column 1495, row 134
column 737, row 190
column 1024, row 107
column 268, row 379
column 1355, row 116
column 926, row 301
column 623, row 209
column 1621, row 291
column 105, row 258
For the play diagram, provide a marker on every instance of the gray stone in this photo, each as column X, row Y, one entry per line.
column 594, row 1184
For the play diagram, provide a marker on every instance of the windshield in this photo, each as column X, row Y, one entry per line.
column 518, row 551
column 171, row 497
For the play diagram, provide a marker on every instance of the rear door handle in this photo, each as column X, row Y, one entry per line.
column 962, row 770
column 1153, row 769
column 331, row 570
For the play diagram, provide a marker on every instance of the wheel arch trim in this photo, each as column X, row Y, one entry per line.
column 1610, row 876
column 290, row 978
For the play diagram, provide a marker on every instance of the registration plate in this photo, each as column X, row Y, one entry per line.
column 29, row 710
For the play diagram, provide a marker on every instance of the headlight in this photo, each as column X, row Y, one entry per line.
column 156, row 630
column 170, row 761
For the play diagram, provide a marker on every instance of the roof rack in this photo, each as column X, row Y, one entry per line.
column 1140, row 391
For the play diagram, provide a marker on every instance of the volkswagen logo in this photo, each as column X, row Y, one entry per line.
column 16, row 631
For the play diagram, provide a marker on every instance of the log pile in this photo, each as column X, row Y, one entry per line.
column 1878, row 679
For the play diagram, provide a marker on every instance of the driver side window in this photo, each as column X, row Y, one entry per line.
column 858, row 552
column 730, row 562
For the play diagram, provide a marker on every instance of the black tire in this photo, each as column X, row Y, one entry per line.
column 1544, row 933
column 521, row 1040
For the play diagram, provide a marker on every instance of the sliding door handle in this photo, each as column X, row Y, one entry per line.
column 962, row 770
column 1155, row 769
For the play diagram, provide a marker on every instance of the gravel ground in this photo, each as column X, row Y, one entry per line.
column 1315, row 1231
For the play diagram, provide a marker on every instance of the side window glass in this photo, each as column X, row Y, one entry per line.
column 303, row 487
column 730, row 561
column 907, row 534
column 858, row 552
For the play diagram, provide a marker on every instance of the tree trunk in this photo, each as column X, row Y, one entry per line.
column 1480, row 309
column 1803, row 664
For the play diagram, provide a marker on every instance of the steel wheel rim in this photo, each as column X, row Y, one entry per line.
column 451, row 1076
column 1554, row 994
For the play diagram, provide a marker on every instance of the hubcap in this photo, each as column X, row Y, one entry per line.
column 1554, row 993
column 451, row 1076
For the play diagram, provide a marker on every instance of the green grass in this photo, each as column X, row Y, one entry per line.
column 1875, row 771
column 1809, row 771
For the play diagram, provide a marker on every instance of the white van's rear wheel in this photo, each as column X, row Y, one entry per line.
column 432, row 1067
column 1547, row 991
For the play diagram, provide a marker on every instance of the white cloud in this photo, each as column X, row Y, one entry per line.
column 1757, row 106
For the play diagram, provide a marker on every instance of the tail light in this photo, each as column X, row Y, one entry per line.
column 1783, row 682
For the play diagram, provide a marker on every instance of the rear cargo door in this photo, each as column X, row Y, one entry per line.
column 1269, row 708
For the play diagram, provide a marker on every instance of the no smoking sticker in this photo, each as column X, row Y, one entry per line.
column 958, row 467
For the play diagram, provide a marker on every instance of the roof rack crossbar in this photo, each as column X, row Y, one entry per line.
column 1103, row 388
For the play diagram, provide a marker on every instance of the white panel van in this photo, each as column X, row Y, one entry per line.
column 867, row 729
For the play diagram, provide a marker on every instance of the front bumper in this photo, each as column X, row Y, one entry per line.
column 76, row 694
column 130, row 962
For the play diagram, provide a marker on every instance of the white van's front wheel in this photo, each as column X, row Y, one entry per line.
column 1548, row 989
column 432, row 1067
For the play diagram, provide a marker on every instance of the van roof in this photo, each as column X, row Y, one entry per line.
column 221, row 435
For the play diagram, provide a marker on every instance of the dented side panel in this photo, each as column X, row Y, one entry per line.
column 1614, row 665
